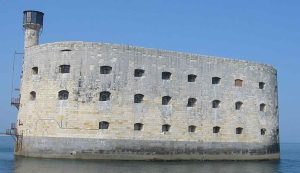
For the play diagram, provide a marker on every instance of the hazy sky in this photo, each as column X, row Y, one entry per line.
column 266, row 31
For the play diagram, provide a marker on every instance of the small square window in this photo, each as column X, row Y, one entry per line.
column 165, row 100
column 238, row 83
column 216, row 80
column 192, row 129
column 104, row 96
column 32, row 95
column 165, row 128
column 139, row 72
column 261, row 85
column 103, row 125
column 192, row 78
column 35, row 70
column 64, row 69
column 138, row 98
column 216, row 103
column 138, row 126
column 63, row 95
column 191, row 102
column 238, row 105
column 262, row 107
column 216, row 129
column 105, row 69
column 166, row 75
column 263, row 131
column 239, row 130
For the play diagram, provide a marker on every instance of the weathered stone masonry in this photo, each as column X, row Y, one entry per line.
column 105, row 101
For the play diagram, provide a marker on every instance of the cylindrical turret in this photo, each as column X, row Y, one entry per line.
column 32, row 23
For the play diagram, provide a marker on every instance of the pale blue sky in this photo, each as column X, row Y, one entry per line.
column 266, row 31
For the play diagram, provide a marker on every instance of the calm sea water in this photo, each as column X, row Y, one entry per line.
column 289, row 163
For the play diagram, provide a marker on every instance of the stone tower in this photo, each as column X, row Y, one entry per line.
column 32, row 24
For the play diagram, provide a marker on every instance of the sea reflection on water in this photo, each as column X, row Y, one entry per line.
column 33, row 165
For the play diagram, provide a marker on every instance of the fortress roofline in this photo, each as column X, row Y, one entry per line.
column 163, row 52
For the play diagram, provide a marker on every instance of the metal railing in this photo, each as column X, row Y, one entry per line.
column 11, row 132
column 15, row 102
column 13, row 126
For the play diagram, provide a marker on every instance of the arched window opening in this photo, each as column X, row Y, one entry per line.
column 263, row 131
column 239, row 130
column 104, row 96
column 238, row 82
column 262, row 107
column 66, row 50
column 64, row 69
column 139, row 72
column 105, row 69
column 32, row 95
column 238, row 105
column 216, row 129
column 192, row 129
column 192, row 78
column 138, row 98
column 191, row 102
column 63, row 95
column 166, row 75
column 166, row 100
column 261, row 85
column 35, row 70
column 216, row 104
column 138, row 126
column 103, row 125
column 165, row 128
column 216, row 80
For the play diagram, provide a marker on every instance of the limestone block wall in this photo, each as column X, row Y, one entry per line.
column 80, row 114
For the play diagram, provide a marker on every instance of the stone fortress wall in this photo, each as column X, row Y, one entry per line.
column 132, row 119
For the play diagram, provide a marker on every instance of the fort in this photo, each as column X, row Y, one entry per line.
column 83, row 100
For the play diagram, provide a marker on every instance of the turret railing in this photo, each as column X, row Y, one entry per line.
column 15, row 102
column 12, row 131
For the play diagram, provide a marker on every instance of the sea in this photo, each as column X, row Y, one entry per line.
column 289, row 163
